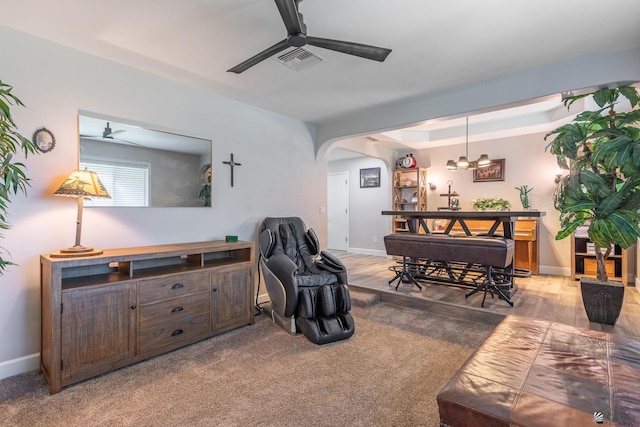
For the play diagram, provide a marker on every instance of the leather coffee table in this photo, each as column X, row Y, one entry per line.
column 537, row 373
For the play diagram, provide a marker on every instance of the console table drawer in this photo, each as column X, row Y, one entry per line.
column 173, row 309
column 167, row 287
column 173, row 334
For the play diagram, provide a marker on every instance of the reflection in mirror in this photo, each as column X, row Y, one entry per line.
column 144, row 167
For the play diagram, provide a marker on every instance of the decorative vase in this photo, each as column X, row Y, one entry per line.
column 602, row 300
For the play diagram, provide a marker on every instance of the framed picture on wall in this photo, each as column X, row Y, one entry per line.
column 493, row 172
column 369, row 177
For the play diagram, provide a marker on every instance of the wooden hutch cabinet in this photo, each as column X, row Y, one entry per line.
column 103, row 312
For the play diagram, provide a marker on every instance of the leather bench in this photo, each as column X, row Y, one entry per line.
column 493, row 251
column 480, row 254
column 538, row 373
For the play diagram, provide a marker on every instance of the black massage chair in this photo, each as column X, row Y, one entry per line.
column 308, row 293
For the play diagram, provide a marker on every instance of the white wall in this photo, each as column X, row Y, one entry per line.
column 367, row 226
column 276, row 177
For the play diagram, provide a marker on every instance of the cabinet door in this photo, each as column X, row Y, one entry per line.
column 98, row 329
column 230, row 298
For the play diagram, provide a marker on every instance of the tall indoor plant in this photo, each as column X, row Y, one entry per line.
column 601, row 151
column 12, row 173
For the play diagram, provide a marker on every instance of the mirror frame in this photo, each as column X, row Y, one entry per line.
column 90, row 126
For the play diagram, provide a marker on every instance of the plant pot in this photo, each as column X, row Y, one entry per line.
column 602, row 300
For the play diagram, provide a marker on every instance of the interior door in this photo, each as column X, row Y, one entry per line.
column 338, row 210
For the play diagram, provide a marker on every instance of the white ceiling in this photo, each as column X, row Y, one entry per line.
column 436, row 45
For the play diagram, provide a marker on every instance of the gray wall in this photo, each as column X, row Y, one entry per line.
column 367, row 226
column 55, row 83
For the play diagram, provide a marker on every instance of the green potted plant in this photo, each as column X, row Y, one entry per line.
column 12, row 173
column 524, row 195
column 601, row 151
column 205, row 191
column 490, row 204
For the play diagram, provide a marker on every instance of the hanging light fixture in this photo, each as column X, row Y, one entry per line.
column 463, row 161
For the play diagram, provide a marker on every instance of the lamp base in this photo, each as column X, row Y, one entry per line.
column 75, row 251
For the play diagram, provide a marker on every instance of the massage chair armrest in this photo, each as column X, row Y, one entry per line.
column 283, row 268
column 331, row 263
column 286, row 294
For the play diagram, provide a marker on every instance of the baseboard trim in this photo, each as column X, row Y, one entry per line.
column 555, row 271
column 20, row 365
column 361, row 251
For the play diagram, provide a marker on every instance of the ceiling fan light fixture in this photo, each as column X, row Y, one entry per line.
column 451, row 165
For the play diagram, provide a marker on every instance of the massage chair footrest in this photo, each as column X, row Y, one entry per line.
column 323, row 313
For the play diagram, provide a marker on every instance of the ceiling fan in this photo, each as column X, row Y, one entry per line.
column 297, row 37
column 108, row 133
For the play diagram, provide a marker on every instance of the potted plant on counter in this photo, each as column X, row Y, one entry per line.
column 12, row 173
column 490, row 204
column 601, row 151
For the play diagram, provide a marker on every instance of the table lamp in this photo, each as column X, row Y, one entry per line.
column 80, row 184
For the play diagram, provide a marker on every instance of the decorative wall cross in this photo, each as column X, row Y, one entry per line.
column 232, row 164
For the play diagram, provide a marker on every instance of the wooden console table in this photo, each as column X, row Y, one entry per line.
column 104, row 312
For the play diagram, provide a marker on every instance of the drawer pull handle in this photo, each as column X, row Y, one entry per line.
column 176, row 332
column 177, row 309
column 177, row 286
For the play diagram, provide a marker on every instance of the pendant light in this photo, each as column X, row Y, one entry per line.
column 463, row 161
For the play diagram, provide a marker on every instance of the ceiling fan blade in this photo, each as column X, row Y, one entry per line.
column 362, row 50
column 290, row 16
column 267, row 53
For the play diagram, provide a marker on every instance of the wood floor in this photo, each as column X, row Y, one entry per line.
column 553, row 298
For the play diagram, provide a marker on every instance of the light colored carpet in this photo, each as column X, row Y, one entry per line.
column 387, row 374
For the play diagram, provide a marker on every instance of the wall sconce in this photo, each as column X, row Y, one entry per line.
column 432, row 186
column 80, row 184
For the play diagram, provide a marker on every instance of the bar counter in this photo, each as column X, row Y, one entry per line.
column 416, row 219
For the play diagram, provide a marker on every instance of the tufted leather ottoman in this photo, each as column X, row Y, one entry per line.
column 537, row 373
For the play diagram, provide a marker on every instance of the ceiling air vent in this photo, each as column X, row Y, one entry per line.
column 298, row 58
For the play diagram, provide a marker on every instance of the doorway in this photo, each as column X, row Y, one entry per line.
column 338, row 210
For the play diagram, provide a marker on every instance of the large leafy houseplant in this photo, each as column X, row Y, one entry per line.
column 12, row 173
column 601, row 151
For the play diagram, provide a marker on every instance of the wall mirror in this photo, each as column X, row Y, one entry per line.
column 143, row 167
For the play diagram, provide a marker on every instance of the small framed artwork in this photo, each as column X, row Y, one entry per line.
column 493, row 172
column 369, row 177
column 44, row 140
